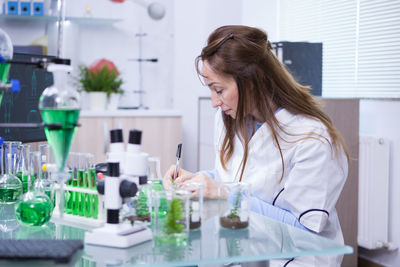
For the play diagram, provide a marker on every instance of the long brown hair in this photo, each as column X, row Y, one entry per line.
column 263, row 85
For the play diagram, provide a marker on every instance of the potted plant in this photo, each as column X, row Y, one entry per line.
column 101, row 80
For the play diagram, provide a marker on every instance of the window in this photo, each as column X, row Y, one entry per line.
column 361, row 43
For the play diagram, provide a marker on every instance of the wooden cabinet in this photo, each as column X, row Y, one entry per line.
column 162, row 132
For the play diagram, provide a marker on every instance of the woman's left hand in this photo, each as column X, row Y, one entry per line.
column 210, row 185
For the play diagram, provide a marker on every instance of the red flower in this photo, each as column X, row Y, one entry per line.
column 100, row 63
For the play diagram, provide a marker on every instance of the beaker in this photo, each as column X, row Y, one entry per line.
column 195, row 202
column 233, row 204
column 173, row 227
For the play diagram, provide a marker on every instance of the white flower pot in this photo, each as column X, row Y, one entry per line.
column 98, row 100
column 113, row 101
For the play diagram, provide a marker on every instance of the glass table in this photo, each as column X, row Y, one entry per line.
column 264, row 239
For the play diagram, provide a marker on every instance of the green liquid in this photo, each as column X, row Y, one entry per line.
column 156, row 185
column 95, row 206
column 4, row 68
column 92, row 178
column 60, row 139
column 74, row 198
column 10, row 194
column 68, row 199
column 34, row 212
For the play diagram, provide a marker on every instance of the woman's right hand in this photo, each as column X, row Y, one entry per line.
column 169, row 176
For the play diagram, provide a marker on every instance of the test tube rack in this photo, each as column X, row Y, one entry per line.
column 78, row 215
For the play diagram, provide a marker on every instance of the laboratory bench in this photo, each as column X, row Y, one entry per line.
column 263, row 240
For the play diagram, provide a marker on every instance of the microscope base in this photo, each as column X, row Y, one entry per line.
column 119, row 236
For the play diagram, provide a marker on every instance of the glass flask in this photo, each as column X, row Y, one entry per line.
column 10, row 185
column 233, row 205
column 34, row 209
column 59, row 107
column 59, row 104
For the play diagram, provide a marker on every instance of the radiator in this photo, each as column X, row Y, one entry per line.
column 373, row 193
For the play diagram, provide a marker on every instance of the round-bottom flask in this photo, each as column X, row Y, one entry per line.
column 10, row 188
column 34, row 209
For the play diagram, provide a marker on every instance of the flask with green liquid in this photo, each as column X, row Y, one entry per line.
column 34, row 209
column 59, row 107
column 10, row 185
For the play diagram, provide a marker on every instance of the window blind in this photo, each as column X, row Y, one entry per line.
column 360, row 43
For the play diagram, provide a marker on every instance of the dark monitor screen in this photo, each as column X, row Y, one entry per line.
column 23, row 106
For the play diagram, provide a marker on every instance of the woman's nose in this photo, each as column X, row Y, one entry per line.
column 215, row 101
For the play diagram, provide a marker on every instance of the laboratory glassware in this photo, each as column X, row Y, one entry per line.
column 35, row 207
column 233, row 205
column 59, row 107
column 22, row 166
column 10, row 185
column 174, row 226
column 195, row 202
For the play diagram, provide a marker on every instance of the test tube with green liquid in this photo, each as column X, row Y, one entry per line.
column 93, row 198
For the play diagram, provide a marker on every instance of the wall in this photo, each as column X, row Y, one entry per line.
column 380, row 118
column 87, row 41
column 193, row 22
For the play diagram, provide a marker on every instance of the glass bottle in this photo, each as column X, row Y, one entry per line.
column 10, row 185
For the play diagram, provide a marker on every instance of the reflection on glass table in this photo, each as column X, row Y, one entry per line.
column 264, row 239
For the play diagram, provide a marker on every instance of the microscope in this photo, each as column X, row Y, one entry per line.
column 114, row 233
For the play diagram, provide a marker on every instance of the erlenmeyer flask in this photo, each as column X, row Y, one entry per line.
column 10, row 185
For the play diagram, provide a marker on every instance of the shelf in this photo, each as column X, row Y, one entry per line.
column 79, row 20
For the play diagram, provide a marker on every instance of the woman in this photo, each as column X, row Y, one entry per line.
column 270, row 132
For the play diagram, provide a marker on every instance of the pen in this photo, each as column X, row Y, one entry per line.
column 178, row 156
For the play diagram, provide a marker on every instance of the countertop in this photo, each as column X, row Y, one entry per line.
column 131, row 113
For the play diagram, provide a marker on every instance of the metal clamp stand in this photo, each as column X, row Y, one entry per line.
column 141, row 91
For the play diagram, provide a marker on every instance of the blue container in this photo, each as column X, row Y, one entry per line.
column 25, row 8
column 12, row 8
column 37, row 9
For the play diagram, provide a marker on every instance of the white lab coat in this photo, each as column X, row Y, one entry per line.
column 313, row 178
